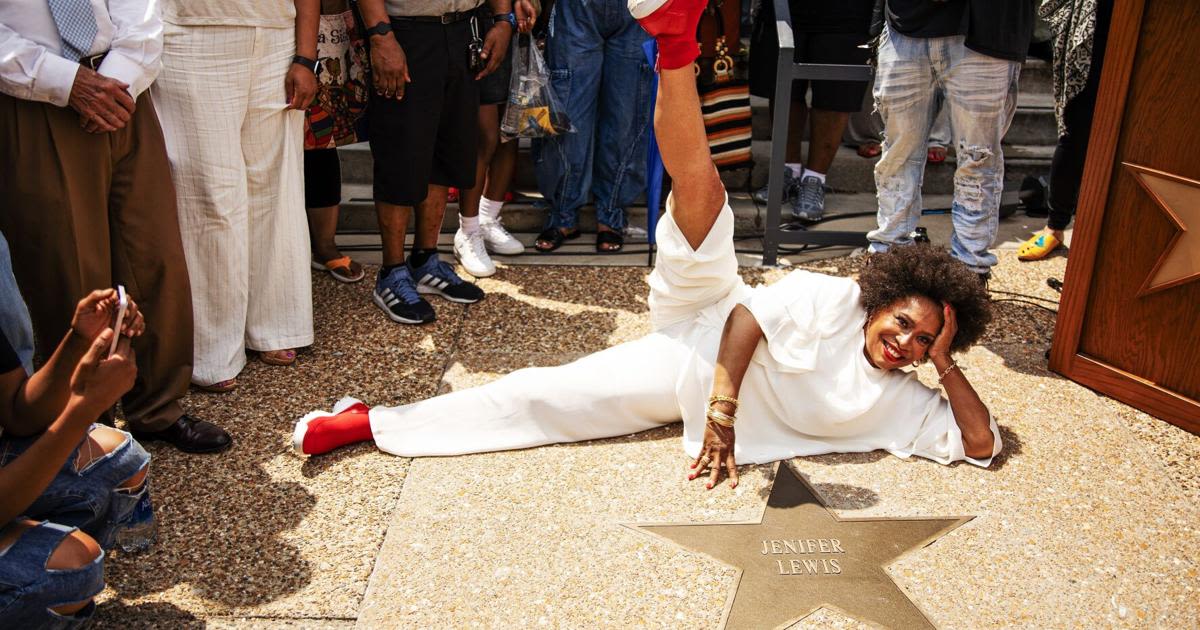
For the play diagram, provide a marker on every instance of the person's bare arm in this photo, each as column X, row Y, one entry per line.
column 95, row 385
column 739, row 340
column 389, row 66
column 300, row 84
column 29, row 405
column 972, row 416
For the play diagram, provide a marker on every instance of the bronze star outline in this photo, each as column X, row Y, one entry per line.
column 762, row 598
column 1179, row 199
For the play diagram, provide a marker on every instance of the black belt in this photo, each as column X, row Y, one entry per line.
column 93, row 61
column 446, row 18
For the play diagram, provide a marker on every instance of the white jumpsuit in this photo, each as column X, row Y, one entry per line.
column 808, row 389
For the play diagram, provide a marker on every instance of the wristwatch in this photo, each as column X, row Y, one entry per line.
column 311, row 64
column 382, row 28
column 509, row 17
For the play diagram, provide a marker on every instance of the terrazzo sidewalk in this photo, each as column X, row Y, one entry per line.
column 1088, row 519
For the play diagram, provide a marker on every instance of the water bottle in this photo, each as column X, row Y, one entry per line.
column 141, row 531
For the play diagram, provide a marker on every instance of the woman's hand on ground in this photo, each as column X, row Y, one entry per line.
column 716, row 453
column 300, row 86
column 941, row 344
column 96, row 311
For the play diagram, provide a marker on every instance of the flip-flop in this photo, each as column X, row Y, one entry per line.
column 220, row 387
column 555, row 237
column 615, row 240
column 869, row 150
column 1038, row 247
column 341, row 269
column 275, row 357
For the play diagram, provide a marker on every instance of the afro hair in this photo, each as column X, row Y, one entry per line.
column 931, row 272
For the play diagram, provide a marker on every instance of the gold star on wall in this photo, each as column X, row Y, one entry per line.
column 1178, row 198
column 802, row 557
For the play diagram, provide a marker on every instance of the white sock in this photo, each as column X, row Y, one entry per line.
column 469, row 225
column 811, row 173
column 489, row 209
column 796, row 169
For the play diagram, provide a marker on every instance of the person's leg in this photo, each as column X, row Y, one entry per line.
column 202, row 98
column 279, row 316
column 54, row 184
column 575, row 55
column 57, row 569
column 981, row 95
column 470, row 246
column 499, row 177
column 529, row 407
column 904, row 84
column 940, row 134
column 623, row 121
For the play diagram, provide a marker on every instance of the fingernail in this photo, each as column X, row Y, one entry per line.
column 691, row 477
column 733, row 485
column 710, row 486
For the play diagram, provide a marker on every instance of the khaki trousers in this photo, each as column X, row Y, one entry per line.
column 84, row 211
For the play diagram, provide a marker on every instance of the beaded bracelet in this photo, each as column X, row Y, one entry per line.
column 725, row 399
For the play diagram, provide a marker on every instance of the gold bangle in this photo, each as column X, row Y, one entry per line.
column 722, row 419
column 725, row 399
column 953, row 365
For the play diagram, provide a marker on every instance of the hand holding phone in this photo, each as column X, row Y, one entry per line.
column 118, row 323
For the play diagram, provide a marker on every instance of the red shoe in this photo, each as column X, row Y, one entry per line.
column 308, row 438
column 508, row 196
column 452, row 195
column 673, row 24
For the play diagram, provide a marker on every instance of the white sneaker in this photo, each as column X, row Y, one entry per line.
column 470, row 251
column 498, row 240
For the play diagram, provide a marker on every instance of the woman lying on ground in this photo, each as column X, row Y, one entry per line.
column 811, row 363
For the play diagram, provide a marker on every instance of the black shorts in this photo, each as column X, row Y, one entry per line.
column 493, row 89
column 430, row 135
column 839, row 48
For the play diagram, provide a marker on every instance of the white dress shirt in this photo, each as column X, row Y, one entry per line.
column 30, row 65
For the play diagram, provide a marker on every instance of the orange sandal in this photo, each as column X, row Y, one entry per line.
column 220, row 387
column 342, row 269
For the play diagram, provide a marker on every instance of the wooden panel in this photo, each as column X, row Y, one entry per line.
column 1119, row 331
column 1153, row 336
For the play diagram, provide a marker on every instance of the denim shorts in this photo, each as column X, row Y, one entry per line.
column 89, row 500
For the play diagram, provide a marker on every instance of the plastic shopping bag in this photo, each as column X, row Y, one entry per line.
column 533, row 109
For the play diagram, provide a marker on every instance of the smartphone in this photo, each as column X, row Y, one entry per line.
column 122, row 306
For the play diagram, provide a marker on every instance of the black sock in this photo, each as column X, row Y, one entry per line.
column 386, row 269
column 419, row 257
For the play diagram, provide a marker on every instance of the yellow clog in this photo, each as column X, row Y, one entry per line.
column 1038, row 246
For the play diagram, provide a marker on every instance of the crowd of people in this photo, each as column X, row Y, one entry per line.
column 168, row 146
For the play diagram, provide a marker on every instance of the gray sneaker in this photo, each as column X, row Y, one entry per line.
column 791, row 187
column 810, row 202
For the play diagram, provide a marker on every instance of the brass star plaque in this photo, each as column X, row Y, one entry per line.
column 802, row 557
column 1179, row 199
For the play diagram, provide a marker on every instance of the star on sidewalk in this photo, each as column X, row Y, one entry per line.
column 802, row 557
column 1178, row 198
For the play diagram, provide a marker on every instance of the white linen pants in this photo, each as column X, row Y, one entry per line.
column 624, row 389
column 237, row 162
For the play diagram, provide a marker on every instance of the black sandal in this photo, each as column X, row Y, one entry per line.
column 614, row 239
column 555, row 237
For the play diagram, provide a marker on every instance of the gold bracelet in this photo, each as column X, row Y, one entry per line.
column 725, row 399
column 722, row 419
column 953, row 365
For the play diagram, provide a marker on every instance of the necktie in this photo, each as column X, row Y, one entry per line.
column 76, row 26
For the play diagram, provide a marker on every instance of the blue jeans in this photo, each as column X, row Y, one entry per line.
column 600, row 74
column 14, row 315
column 90, row 500
column 981, row 95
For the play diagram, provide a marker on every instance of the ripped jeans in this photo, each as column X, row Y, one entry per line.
column 90, row 500
column 981, row 95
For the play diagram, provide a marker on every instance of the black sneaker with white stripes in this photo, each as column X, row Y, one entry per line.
column 396, row 294
column 438, row 278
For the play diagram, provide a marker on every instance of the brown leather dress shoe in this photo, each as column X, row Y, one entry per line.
column 190, row 435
